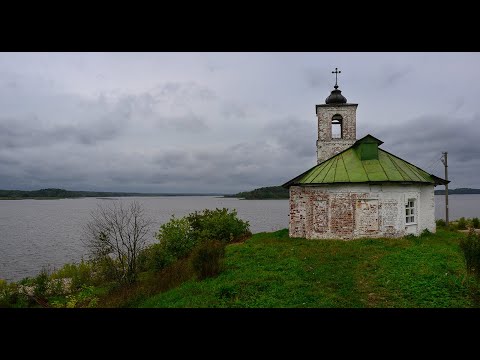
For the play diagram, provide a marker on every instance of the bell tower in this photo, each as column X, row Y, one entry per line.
column 336, row 124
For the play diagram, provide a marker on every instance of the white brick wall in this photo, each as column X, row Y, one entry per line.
column 359, row 210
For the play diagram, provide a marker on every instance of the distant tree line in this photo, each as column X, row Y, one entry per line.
column 62, row 194
column 270, row 192
column 458, row 191
column 278, row 192
column 56, row 193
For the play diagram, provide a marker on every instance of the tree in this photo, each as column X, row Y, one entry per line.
column 117, row 233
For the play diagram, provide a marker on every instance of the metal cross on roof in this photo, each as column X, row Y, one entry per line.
column 336, row 72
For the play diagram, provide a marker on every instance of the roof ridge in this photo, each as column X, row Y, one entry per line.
column 386, row 173
column 415, row 171
column 395, row 156
column 319, row 167
column 343, row 162
column 336, row 167
column 400, row 171
column 326, row 173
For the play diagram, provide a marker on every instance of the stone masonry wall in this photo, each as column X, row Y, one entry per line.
column 359, row 210
column 326, row 146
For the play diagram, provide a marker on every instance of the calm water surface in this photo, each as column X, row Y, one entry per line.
column 35, row 233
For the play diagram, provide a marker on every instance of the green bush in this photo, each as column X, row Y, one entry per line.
column 207, row 258
column 41, row 283
column 154, row 257
column 462, row 224
column 84, row 298
column 177, row 238
column 108, row 269
column 10, row 297
column 218, row 224
column 476, row 223
column 80, row 274
column 4, row 294
column 440, row 223
column 470, row 246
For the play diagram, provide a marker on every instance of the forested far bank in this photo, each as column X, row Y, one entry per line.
column 278, row 192
column 64, row 194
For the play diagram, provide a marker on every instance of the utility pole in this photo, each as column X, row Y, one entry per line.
column 444, row 161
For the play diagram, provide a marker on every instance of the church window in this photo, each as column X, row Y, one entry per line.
column 337, row 124
column 410, row 212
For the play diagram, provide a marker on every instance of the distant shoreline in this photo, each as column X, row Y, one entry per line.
column 280, row 193
column 266, row 193
column 103, row 198
column 55, row 194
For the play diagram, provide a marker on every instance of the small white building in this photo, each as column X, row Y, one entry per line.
column 357, row 189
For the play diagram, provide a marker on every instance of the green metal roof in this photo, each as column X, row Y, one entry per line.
column 364, row 162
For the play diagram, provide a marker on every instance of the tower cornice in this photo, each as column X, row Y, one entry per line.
column 333, row 106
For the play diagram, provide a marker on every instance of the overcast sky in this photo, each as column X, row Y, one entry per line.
column 223, row 122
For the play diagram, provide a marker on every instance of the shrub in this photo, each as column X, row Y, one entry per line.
column 85, row 298
column 218, row 224
column 154, row 257
column 3, row 286
column 11, row 297
column 207, row 258
column 4, row 294
column 476, row 223
column 440, row 223
column 470, row 246
column 462, row 224
column 41, row 283
column 177, row 238
column 108, row 269
column 80, row 274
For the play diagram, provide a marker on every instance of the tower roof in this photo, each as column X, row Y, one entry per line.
column 364, row 162
column 336, row 96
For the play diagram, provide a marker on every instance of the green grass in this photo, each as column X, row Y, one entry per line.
column 273, row 270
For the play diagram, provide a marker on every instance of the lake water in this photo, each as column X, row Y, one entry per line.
column 35, row 233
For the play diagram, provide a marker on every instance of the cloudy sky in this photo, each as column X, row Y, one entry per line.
column 223, row 122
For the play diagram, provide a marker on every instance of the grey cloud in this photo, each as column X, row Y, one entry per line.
column 395, row 76
column 182, row 93
column 189, row 122
column 153, row 130
column 8, row 161
column 423, row 139
column 295, row 136
column 232, row 111
column 316, row 77
column 42, row 172
column 459, row 102
column 171, row 158
column 29, row 132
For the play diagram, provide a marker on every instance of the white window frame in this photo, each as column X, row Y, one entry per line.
column 411, row 211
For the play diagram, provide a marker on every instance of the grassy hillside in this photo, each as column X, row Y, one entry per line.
column 272, row 270
column 271, row 192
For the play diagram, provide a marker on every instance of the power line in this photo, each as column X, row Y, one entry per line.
column 435, row 158
column 434, row 163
